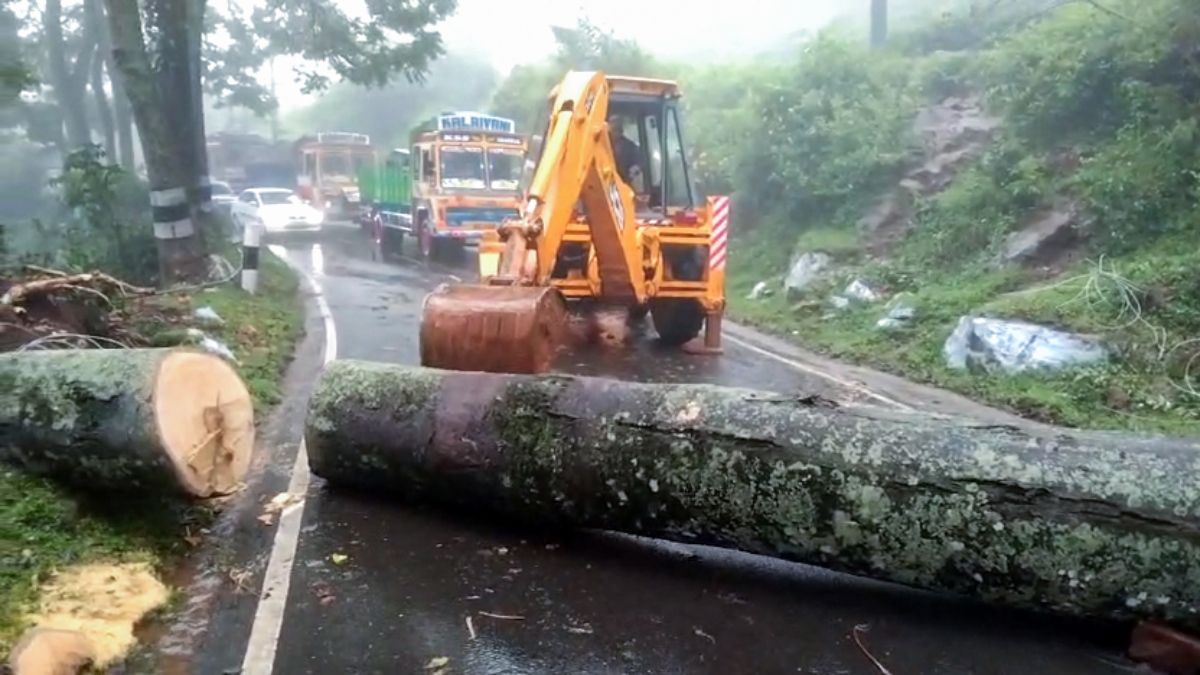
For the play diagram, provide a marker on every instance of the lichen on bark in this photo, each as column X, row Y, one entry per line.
column 84, row 417
column 1080, row 523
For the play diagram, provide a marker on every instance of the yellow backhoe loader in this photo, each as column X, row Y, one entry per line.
column 587, row 235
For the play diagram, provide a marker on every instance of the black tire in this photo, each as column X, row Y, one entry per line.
column 450, row 250
column 391, row 243
column 676, row 320
column 426, row 243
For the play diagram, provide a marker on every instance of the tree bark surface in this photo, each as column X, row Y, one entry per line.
column 159, row 95
column 1092, row 524
column 139, row 420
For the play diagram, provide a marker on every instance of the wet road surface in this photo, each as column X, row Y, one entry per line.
column 379, row 588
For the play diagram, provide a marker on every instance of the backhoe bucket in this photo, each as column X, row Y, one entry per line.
column 495, row 329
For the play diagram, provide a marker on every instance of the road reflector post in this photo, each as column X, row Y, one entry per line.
column 250, row 257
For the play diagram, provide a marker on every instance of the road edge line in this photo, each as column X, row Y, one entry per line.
column 259, row 658
column 853, row 386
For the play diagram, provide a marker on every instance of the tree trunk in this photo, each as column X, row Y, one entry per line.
column 129, row 420
column 164, row 127
column 104, row 113
column 1078, row 523
column 122, row 115
column 200, row 195
column 67, row 93
column 879, row 22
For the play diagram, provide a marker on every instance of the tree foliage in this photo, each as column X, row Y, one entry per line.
column 395, row 38
column 16, row 75
column 585, row 46
column 456, row 81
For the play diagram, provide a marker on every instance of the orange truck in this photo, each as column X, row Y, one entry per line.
column 328, row 165
column 467, row 172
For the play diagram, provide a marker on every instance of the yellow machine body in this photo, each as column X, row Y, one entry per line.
column 585, row 235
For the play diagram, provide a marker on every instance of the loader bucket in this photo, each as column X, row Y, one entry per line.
column 496, row 329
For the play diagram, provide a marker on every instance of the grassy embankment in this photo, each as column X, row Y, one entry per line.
column 43, row 528
column 1097, row 111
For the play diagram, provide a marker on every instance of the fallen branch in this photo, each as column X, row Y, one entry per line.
column 18, row 293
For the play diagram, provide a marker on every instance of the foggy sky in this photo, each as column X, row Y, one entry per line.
column 516, row 32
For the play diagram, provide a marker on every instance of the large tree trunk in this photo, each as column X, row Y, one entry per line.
column 1078, row 523
column 158, row 95
column 137, row 420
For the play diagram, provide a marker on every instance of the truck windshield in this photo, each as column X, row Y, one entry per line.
column 505, row 166
column 462, row 166
column 335, row 165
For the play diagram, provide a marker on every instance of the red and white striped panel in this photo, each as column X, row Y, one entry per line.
column 718, row 248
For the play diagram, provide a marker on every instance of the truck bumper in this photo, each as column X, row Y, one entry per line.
column 466, row 236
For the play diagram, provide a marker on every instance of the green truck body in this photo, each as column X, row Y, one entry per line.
column 387, row 186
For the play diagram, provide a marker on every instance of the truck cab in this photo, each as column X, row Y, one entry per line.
column 466, row 179
column 329, row 164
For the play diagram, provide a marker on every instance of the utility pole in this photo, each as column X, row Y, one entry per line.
column 879, row 19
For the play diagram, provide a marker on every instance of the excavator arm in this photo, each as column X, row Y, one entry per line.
column 577, row 165
column 515, row 320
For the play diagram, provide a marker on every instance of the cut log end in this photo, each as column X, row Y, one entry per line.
column 205, row 418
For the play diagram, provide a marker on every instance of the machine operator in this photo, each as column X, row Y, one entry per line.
column 627, row 154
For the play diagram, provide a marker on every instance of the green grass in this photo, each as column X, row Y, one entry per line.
column 1139, row 390
column 261, row 329
column 43, row 526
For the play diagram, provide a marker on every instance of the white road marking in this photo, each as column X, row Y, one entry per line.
column 272, row 599
column 819, row 373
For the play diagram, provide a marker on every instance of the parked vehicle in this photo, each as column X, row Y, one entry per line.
column 223, row 196
column 276, row 210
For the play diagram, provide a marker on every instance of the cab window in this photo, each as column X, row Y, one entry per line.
column 651, row 142
column 679, row 184
column 428, row 169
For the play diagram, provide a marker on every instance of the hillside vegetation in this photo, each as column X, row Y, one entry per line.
column 1024, row 160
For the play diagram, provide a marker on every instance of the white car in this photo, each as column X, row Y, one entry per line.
column 276, row 210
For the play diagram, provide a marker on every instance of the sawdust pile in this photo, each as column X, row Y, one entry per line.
column 104, row 602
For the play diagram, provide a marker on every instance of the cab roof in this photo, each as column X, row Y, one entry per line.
column 643, row 86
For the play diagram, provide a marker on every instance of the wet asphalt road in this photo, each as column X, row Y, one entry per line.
column 594, row 603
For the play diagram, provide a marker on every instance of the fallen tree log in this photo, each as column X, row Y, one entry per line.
column 130, row 420
column 1078, row 523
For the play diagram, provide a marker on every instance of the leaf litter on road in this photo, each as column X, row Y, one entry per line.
column 280, row 503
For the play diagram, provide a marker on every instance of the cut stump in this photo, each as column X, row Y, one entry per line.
column 128, row 420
